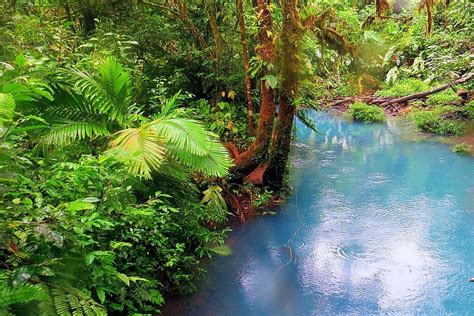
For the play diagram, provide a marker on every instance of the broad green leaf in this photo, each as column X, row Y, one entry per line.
column 79, row 206
column 270, row 80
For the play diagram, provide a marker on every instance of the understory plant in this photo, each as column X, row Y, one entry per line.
column 366, row 113
column 462, row 149
column 86, row 237
column 443, row 98
column 403, row 87
column 441, row 120
column 86, row 229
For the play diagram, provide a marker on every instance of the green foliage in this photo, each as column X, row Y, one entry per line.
column 183, row 140
column 435, row 120
column 214, row 200
column 225, row 119
column 443, row 98
column 363, row 112
column 20, row 294
column 80, row 231
column 470, row 110
column 7, row 109
column 462, row 149
column 403, row 88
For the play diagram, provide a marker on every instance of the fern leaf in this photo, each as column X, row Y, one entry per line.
column 23, row 293
column 7, row 108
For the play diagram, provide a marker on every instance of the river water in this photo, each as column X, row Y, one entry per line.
column 377, row 223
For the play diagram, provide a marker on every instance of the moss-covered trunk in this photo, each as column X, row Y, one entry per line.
column 291, row 36
column 258, row 151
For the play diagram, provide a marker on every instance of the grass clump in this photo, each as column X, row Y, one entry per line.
column 462, row 149
column 403, row 88
column 360, row 111
column 443, row 98
column 434, row 120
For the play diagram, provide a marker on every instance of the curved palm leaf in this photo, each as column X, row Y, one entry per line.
column 181, row 139
column 215, row 163
column 109, row 90
column 143, row 149
column 184, row 133
column 65, row 132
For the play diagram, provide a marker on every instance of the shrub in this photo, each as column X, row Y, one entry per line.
column 91, row 232
column 462, row 149
column 403, row 87
column 363, row 112
column 434, row 121
column 443, row 98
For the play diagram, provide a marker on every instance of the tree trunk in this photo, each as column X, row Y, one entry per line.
column 245, row 58
column 292, row 34
column 218, row 41
column 258, row 151
column 88, row 21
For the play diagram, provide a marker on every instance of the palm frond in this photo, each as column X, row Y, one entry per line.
column 108, row 91
column 64, row 132
column 141, row 148
column 215, row 163
column 180, row 139
column 183, row 133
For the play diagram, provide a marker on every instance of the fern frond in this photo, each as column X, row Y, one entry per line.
column 23, row 293
column 69, row 301
column 7, row 108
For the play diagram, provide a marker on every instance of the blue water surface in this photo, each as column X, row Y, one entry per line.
column 376, row 224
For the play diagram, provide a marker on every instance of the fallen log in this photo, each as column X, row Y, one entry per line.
column 427, row 93
column 339, row 102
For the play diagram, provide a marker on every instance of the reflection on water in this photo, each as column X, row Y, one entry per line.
column 376, row 224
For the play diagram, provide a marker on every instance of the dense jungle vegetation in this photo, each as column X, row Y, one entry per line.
column 128, row 128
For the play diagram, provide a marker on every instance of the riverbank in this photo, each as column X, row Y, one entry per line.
column 404, row 110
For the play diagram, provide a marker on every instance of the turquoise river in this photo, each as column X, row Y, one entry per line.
column 378, row 223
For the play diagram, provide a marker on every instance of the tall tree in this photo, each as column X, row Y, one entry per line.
column 258, row 150
column 245, row 58
column 291, row 37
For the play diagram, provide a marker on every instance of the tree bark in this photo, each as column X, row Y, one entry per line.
column 292, row 34
column 245, row 58
column 258, row 150
column 88, row 21
column 218, row 41
column 420, row 95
